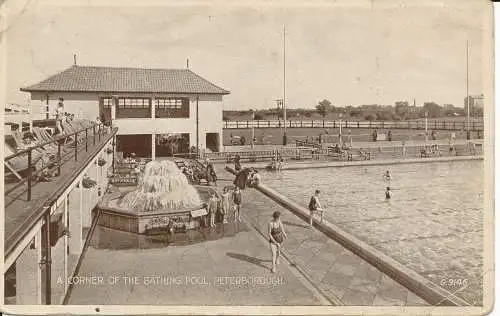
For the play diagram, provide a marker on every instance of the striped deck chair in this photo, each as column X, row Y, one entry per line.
column 68, row 128
column 19, row 164
column 49, row 150
column 42, row 136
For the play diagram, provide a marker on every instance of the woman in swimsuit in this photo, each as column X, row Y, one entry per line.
column 276, row 236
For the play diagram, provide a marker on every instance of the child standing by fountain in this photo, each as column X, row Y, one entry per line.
column 237, row 204
column 213, row 203
column 225, row 204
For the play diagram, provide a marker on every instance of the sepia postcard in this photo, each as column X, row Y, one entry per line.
column 247, row 157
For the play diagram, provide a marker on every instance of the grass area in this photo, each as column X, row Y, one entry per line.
column 274, row 136
column 246, row 116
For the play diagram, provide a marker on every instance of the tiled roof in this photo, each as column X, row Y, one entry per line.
column 109, row 79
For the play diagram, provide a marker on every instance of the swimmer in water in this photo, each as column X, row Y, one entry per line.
column 387, row 175
column 388, row 193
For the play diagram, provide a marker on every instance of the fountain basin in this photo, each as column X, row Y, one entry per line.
column 155, row 222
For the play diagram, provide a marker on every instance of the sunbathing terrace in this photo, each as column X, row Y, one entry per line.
column 66, row 204
column 38, row 214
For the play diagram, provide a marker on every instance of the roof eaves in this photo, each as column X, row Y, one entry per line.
column 224, row 91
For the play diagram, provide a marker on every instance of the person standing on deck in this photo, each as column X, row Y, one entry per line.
column 60, row 116
column 237, row 204
column 315, row 206
column 211, row 176
column 237, row 164
column 225, row 204
column 213, row 203
column 276, row 236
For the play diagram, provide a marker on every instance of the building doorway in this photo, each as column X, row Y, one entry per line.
column 139, row 144
column 170, row 145
column 212, row 141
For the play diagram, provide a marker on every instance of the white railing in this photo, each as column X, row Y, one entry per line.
column 437, row 124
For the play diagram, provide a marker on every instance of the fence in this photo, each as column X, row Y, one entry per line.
column 93, row 132
column 419, row 125
column 328, row 153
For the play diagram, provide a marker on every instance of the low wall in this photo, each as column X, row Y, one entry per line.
column 429, row 291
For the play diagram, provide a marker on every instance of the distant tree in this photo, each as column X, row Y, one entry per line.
column 384, row 115
column 307, row 114
column 258, row 117
column 370, row 117
column 434, row 109
column 225, row 118
column 323, row 107
column 355, row 112
column 402, row 109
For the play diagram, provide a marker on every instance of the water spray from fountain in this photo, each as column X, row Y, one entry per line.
column 162, row 188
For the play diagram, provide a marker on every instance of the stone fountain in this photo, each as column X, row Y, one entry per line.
column 163, row 200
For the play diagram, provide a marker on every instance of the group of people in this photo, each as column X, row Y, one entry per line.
column 230, row 199
column 247, row 177
column 277, row 162
column 194, row 171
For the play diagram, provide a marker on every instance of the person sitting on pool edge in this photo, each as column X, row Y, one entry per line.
column 254, row 178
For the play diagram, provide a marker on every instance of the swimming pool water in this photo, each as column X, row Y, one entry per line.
column 433, row 223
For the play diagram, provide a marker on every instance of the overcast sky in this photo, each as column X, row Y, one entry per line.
column 371, row 52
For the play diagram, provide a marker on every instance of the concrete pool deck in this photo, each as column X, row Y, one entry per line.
column 315, row 270
column 295, row 165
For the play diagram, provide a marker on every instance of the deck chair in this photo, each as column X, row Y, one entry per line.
column 19, row 164
column 8, row 152
column 48, row 150
column 41, row 136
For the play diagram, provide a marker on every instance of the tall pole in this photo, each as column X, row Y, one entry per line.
column 253, row 129
column 284, row 87
column 340, row 128
column 47, row 109
column 467, row 87
column 197, row 129
column 426, row 134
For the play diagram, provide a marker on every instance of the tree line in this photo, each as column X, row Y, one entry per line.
column 401, row 110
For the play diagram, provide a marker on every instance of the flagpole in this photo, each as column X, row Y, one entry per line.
column 284, row 87
column 467, row 87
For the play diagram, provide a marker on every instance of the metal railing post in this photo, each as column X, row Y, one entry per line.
column 113, row 162
column 93, row 134
column 99, row 132
column 86, row 140
column 29, row 174
column 48, row 260
column 59, row 159
column 76, row 146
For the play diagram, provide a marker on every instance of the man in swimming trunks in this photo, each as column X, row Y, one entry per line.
column 314, row 206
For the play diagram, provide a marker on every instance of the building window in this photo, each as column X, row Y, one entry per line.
column 133, row 103
column 169, row 103
column 127, row 103
column 107, row 102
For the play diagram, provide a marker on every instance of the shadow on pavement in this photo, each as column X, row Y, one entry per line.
column 294, row 224
column 246, row 258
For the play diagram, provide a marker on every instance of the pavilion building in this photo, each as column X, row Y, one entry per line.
column 158, row 112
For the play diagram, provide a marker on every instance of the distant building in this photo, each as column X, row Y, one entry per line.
column 475, row 102
column 158, row 112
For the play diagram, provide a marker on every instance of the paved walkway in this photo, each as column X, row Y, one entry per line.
column 316, row 269
column 211, row 272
